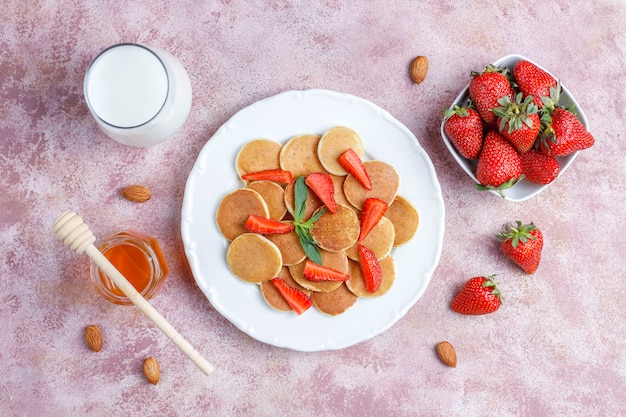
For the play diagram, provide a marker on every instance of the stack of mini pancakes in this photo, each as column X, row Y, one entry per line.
column 257, row 258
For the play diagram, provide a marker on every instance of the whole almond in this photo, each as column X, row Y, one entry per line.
column 151, row 370
column 447, row 354
column 136, row 193
column 93, row 337
column 419, row 68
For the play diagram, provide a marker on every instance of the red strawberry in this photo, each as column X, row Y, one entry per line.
column 276, row 175
column 486, row 88
column 564, row 134
column 351, row 162
column 522, row 243
column 296, row 298
column 534, row 81
column 323, row 187
column 518, row 121
column 479, row 295
column 464, row 127
column 370, row 269
column 265, row 226
column 373, row 211
column 315, row 272
column 499, row 166
column 539, row 168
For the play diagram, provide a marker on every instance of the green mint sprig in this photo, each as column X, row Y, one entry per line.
column 303, row 228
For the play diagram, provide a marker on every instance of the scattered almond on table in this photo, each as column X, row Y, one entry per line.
column 419, row 68
column 151, row 370
column 136, row 193
column 447, row 354
column 93, row 337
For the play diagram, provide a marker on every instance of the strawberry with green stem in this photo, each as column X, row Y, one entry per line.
column 522, row 243
column 499, row 166
column 533, row 81
column 486, row 88
column 464, row 127
column 518, row 121
column 479, row 295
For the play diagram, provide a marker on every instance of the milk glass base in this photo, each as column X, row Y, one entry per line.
column 150, row 85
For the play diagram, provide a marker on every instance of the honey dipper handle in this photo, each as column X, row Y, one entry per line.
column 70, row 228
column 138, row 300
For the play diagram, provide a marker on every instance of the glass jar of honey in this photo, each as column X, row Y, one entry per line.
column 139, row 258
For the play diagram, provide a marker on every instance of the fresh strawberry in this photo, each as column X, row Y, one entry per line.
column 522, row 243
column 296, row 298
column 564, row 134
column 322, row 185
column 464, row 127
column 276, row 175
column 370, row 269
column 486, row 88
column 351, row 162
column 518, row 121
column 539, row 168
column 373, row 211
column 479, row 295
column 499, row 166
column 533, row 81
column 315, row 272
column 265, row 226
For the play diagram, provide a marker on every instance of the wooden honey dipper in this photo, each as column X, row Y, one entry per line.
column 72, row 230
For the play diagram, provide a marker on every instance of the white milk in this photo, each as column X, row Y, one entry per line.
column 139, row 96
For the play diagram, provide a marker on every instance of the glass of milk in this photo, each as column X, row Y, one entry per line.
column 139, row 95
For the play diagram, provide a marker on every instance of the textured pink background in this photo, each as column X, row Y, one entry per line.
column 555, row 348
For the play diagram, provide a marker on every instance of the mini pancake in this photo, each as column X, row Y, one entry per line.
column 253, row 258
column 274, row 196
column 338, row 231
column 333, row 143
column 273, row 297
column 334, row 302
column 334, row 260
column 379, row 240
column 312, row 201
column 290, row 247
column 258, row 155
column 405, row 219
column 299, row 155
column 234, row 210
column 385, row 184
column 356, row 285
column 340, row 197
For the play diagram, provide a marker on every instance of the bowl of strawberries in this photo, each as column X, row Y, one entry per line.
column 514, row 129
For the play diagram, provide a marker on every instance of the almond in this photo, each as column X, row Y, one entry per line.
column 151, row 370
column 93, row 337
column 447, row 354
column 136, row 193
column 419, row 68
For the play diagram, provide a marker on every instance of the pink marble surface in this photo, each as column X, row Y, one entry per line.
column 556, row 348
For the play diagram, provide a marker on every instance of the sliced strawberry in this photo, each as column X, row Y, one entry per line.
column 373, row 211
column 297, row 299
column 265, row 226
column 315, row 272
column 351, row 162
column 370, row 269
column 276, row 175
column 323, row 187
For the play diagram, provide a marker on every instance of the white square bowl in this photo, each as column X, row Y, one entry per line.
column 523, row 190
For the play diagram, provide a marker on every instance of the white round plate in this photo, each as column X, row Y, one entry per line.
column 279, row 118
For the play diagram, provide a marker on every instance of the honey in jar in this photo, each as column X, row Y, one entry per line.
column 139, row 258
